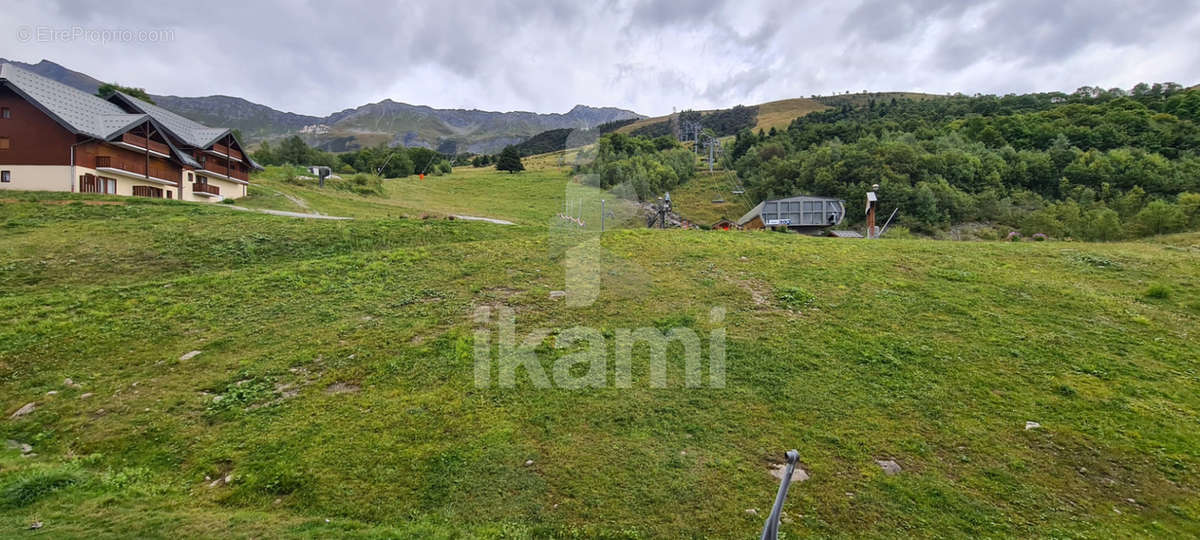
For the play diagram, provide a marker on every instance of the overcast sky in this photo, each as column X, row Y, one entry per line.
column 648, row 56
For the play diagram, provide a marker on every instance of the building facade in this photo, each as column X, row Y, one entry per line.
column 57, row 138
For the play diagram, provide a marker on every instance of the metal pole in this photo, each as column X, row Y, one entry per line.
column 601, row 216
column 771, row 528
column 888, row 222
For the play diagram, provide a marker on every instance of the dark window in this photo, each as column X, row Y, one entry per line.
column 97, row 184
column 5, row 177
column 147, row 191
column 5, row 113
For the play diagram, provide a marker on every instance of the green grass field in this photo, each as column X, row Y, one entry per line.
column 334, row 385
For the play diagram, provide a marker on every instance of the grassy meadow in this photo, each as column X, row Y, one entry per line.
column 333, row 393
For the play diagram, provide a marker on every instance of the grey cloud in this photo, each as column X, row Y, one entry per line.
column 649, row 55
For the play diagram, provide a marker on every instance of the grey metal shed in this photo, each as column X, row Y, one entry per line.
column 800, row 212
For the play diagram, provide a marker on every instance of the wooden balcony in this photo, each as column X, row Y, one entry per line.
column 206, row 190
column 137, row 168
column 140, row 142
column 217, row 167
column 223, row 150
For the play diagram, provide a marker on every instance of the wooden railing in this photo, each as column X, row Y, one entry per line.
column 207, row 188
column 217, row 165
column 222, row 149
column 136, row 166
column 137, row 140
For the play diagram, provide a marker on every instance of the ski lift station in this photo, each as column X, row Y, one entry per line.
column 805, row 214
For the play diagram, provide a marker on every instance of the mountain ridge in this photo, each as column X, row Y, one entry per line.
column 387, row 121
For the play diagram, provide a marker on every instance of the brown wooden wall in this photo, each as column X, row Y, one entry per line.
column 85, row 156
column 34, row 137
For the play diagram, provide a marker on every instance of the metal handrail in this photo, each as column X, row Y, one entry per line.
column 771, row 528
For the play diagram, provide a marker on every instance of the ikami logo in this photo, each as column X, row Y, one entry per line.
column 586, row 357
column 590, row 353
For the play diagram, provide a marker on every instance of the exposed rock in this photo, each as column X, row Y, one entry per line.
column 286, row 390
column 26, row 409
column 798, row 475
column 528, row 462
column 86, row 395
column 17, row 445
column 220, row 481
column 52, row 393
column 342, row 388
column 889, row 466
column 189, row 356
column 555, row 295
column 71, row 384
column 35, row 525
column 1032, row 425
column 752, row 511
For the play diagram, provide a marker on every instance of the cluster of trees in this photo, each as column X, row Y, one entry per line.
column 391, row 162
column 560, row 139
column 509, row 160
column 637, row 167
column 719, row 123
column 106, row 90
column 1096, row 164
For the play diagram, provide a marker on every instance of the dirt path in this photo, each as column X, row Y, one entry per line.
column 289, row 214
column 489, row 220
column 296, row 200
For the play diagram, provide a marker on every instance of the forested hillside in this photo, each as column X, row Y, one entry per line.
column 1096, row 164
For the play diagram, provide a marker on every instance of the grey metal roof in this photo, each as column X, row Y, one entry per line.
column 757, row 210
column 753, row 213
column 76, row 110
column 190, row 131
column 187, row 130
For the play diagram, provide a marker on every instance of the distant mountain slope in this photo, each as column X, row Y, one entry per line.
column 771, row 114
column 55, row 72
column 391, row 122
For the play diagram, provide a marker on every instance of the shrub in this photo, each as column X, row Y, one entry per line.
column 1013, row 236
column 1158, row 291
column 794, row 298
column 36, row 485
column 361, row 184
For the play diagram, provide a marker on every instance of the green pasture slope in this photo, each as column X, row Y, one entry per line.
column 334, row 382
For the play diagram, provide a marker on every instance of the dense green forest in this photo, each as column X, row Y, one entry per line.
column 719, row 123
column 393, row 162
column 560, row 139
column 636, row 167
column 1096, row 164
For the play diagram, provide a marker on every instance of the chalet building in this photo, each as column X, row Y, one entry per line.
column 724, row 224
column 804, row 214
column 56, row 138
